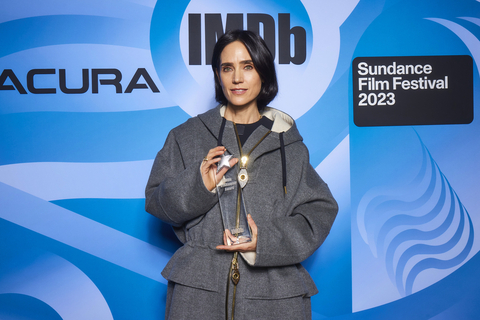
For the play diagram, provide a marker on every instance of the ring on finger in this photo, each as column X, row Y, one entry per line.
column 205, row 159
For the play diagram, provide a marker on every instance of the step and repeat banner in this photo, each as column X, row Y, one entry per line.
column 384, row 93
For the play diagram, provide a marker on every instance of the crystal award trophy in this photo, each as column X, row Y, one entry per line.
column 232, row 207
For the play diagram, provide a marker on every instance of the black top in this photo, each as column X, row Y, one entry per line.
column 245, row 130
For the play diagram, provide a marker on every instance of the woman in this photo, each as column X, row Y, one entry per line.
column 287, row 227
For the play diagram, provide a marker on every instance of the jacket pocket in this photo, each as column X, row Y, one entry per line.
column 279, row 283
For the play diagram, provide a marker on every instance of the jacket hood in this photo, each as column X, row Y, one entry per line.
column 282, row 123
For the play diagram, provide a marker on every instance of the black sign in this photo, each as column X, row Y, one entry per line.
column 396, row 91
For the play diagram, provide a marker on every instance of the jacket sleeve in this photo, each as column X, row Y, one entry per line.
column 175, row 192
column 294, row 236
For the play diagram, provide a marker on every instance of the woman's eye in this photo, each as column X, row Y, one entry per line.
column 227, row 69
column 248, row 67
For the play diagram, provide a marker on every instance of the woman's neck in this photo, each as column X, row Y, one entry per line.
column 242, row 115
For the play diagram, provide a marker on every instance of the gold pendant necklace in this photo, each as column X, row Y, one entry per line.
column 243, row 173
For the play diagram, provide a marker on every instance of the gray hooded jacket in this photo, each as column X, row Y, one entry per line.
column 291, row 226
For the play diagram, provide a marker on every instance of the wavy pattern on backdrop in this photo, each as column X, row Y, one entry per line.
column 420, row 226
column 57, row 282
column 470, row 40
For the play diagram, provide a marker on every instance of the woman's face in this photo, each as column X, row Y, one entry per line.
column 240, row 82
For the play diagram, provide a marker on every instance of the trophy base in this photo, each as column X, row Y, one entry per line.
column 236, row 239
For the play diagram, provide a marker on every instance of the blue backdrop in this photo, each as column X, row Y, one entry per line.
column 89, row 90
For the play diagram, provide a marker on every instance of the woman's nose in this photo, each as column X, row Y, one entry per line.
column 238, row 76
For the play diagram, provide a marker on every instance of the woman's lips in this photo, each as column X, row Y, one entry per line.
column 238, row 91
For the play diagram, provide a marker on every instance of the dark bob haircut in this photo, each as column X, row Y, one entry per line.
column 262, row 60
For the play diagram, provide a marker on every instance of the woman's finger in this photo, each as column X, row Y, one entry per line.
column 252, row 225
column 225, row 239
column 243, row 247
column 215, row 152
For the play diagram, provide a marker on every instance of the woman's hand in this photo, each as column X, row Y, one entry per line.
column 209, row 167
column 242, row 247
